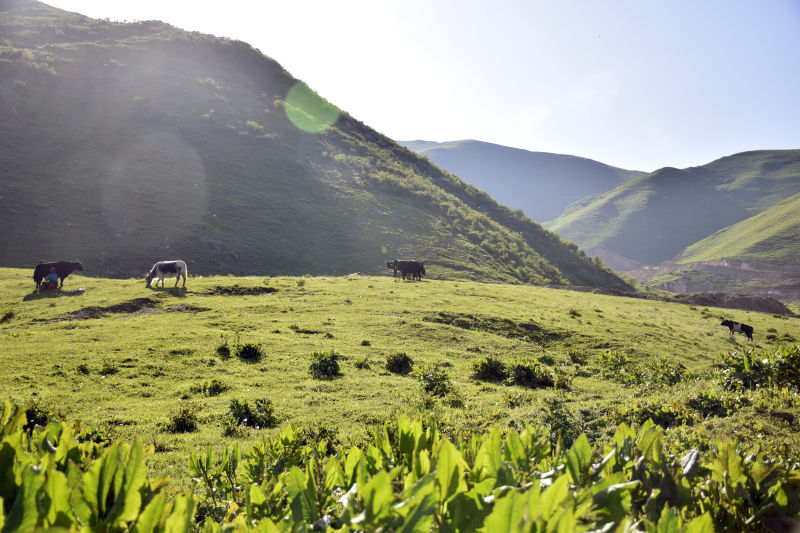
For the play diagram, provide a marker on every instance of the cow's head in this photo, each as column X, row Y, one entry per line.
column 149, row 278
column 421, row 267
column 726, row 322
column 77, row 265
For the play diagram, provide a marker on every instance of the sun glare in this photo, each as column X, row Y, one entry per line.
column 308, row 111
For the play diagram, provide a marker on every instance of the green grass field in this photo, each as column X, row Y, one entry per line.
column 769, row 237
column 123, row 359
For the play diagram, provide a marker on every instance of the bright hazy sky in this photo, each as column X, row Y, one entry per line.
column 638, row 84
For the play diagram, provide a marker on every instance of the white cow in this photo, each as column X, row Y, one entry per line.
column 160, row 269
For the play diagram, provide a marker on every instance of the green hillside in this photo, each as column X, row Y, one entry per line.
column 769, row 237
column 649, row 219
column 539, row 183
column 652, row 218
column 123, row 144
column 757, row 180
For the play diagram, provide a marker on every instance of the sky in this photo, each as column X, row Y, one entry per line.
column 638, row 84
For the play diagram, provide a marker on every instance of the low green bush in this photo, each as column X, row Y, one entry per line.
column 527, row 372
column 223, row 350
column 184, row 420
column 748, row 370
column 399, row 363
column 435, row 380
column 211, row 388
column 260, row 415
column 249, row 351
column 489, row 368
column 324, row 365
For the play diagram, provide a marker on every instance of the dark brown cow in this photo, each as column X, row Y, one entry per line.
column 413, row 269
column 63, row 269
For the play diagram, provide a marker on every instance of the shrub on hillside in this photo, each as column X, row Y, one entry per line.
column 249, row 351
column 434, row 379
column 223, row 350
column 184, row 420
column 37, row 415
column 527, row 372
column 489, row 369
column 399, row 363
column 746, row 370
column 324, row 365
column 260, row 415
column 561, row 421
column 662, row 371
column 211, row 388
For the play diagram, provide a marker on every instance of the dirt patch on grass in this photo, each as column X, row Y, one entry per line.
column 186, row 308
column 527, row 331
column 130, row 306
column 761, row 304
column 236, row 290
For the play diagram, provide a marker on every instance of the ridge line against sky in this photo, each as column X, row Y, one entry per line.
column 638, row 85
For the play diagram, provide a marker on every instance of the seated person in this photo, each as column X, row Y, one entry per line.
column 52, row 279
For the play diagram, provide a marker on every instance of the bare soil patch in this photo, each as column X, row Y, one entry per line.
column 186, row 308
column 130, row 306
column 761, row 304
column 528, row 331
column 236, row 290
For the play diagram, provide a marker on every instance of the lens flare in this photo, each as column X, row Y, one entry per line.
column 385, row 250
column 308, row 111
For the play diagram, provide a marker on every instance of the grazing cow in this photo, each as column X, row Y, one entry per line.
column 63, row 269
column 414, row 269
column 738, row 327
column 162, row 268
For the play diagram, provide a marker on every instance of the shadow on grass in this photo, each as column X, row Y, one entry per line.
column 36, row 295
column 177, row 292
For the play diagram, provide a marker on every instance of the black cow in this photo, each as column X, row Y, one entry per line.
column 738, row 327
column 63, row 269
column 414, row 269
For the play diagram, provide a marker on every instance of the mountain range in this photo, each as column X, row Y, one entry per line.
column 729, row 225
column 126, row 143
column 539, row 183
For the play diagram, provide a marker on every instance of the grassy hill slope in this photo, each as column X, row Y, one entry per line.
column 539, row 183
column 616, row 359
column 127, row 143
column 651, row 218
column 770, row 237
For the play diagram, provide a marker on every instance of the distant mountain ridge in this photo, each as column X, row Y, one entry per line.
column 652, row 218
column 127, row 143
column 541, row 184
column 729, row 225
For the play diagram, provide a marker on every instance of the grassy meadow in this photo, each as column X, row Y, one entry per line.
column 124, row 360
